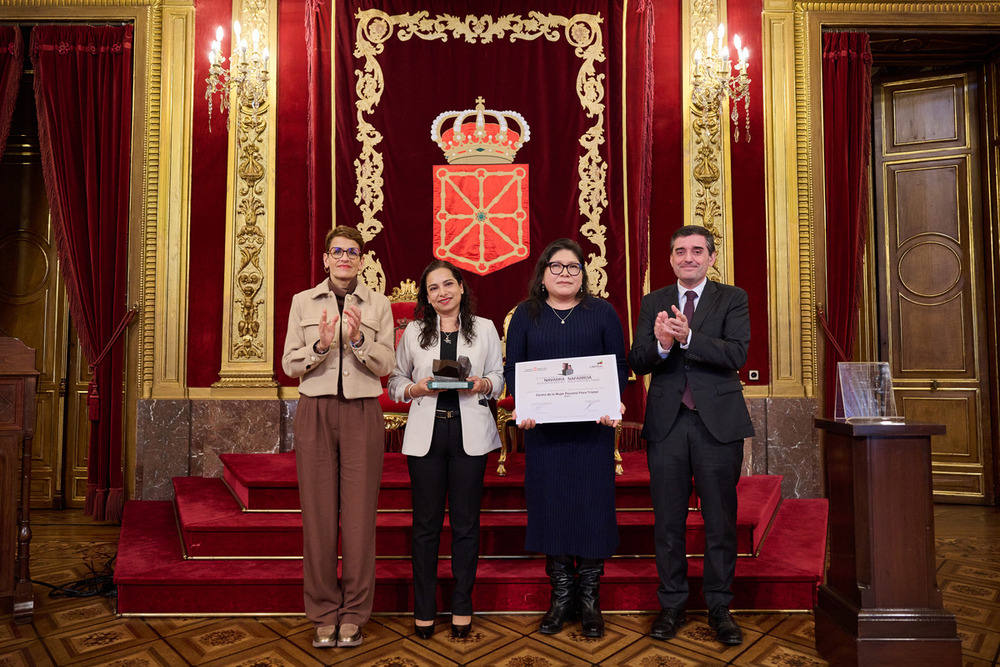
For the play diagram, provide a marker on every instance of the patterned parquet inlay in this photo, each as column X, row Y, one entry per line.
column 86, row 631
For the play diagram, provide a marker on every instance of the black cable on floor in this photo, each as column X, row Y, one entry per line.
column 97, row 584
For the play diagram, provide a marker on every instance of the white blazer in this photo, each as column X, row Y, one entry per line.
column 413, row 363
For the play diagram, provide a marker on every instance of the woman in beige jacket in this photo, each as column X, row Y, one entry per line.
column 339, row 343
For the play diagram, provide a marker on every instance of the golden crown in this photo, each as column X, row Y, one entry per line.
column 468, row 141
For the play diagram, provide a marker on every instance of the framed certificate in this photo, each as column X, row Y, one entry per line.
column 576, row 389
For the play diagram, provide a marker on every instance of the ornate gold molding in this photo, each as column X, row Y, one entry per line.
column 581, row 31
column 248, row 331
column 167, row 251
column 797, row 224
column 707, row 196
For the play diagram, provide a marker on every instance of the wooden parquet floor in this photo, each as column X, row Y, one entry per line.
column 67, row 547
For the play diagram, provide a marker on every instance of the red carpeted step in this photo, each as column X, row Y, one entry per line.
column 759, row 496
column 213, row 525
column 267, row 482
column 153, row 577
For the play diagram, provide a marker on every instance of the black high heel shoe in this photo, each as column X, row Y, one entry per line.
column 461, row 631
column 423, row 631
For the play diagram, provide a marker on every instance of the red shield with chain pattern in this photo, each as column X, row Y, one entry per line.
column 481, row 215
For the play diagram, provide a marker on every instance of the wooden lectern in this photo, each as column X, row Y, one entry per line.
column 18, row 378
column 880, row 604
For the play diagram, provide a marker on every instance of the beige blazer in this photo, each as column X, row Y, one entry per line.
column 362, row 366
column 479, row 428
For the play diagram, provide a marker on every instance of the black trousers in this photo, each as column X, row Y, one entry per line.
column 689, row 450
column 445, row 473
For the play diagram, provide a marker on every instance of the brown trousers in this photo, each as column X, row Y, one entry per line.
column 339, row 444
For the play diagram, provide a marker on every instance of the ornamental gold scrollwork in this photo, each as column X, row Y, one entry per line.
column 707, row 172
column 582, row 31
column 250, row 238
column 706, row 136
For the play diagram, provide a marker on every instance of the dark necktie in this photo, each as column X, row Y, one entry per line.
column 688, row 397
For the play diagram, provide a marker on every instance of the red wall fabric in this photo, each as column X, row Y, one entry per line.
column 83, row 84
column 208, row 207
column 749, row 187
column 293, row 256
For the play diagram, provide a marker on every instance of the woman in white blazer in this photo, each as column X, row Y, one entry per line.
column 448, row 434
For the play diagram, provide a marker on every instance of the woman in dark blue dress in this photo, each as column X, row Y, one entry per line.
column 570, row 467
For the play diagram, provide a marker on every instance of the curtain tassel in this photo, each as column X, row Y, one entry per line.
column 93, row 400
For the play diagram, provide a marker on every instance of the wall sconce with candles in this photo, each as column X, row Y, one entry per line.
column 247, row 74
column 713, row 78
column 714, row 81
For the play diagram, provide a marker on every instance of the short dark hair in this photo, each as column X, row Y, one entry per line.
column 536, row 298
column 347, row 233
column 691, row 230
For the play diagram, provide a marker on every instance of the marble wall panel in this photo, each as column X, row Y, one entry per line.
column 163, row 437
column 793, row 446
column 224, row 426
column 758, row 447
column 288, row 408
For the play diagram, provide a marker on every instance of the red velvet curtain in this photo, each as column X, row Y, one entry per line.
column 83, row 91
column 847, row 119
column 11, row 59
column 319, row 40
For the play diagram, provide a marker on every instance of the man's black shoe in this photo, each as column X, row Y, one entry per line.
column 726, row 630
column 666, row 624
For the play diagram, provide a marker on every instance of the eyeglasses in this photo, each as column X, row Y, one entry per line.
column 337, row 253
column 556, row 268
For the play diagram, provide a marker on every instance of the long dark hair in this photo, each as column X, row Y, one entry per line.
column 536, row 295
column 427, row 316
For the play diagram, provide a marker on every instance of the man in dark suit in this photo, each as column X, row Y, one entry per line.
column 692, row 337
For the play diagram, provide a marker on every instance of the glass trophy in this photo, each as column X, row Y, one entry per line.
column 864, row 394
column 450, row 374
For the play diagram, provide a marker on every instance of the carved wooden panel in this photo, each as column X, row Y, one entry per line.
column 77, row 429
column 926, row 114
column 929, row 222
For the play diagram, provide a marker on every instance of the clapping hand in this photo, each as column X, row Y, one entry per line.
column 326, row 330
column 661, row 331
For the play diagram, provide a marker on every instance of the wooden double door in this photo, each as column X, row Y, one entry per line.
column 935, row 227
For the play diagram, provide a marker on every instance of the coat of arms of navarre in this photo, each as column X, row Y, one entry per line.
column 480, row 196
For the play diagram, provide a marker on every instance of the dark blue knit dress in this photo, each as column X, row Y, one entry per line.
column 570, row 467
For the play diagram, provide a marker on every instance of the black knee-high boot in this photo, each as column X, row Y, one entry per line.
column 588, row 596
column 561, row 605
